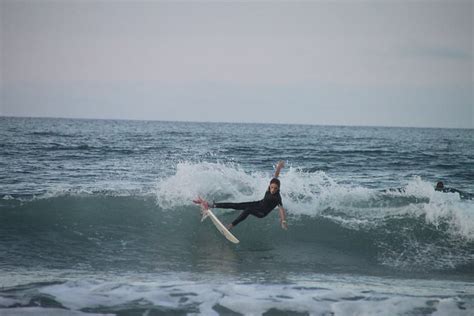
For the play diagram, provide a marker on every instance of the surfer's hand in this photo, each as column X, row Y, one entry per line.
column 278, row 167
column 280, row 164
column 284, row 224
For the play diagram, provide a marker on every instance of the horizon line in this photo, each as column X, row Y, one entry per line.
column 227, row 122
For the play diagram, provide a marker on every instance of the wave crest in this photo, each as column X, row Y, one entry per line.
column 317, row 195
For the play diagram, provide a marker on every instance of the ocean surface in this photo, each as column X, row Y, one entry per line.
column 96, row 218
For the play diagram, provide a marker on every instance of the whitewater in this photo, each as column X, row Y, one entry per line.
column 96, row 218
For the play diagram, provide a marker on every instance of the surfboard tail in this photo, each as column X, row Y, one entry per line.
column 205, row 214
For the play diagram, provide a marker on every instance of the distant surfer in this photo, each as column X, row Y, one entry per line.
column 260, row 208
column 463, row 195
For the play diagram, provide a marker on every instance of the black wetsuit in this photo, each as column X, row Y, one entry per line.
column 257, row 208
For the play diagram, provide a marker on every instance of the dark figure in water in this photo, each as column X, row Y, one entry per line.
column 464, row 195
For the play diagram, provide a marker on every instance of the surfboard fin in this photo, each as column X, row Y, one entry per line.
column 205, row 214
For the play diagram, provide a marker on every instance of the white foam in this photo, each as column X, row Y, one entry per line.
column 27, row 311
column 441, row 208
column 211, row 181
column 316, row 294
column 303, row 193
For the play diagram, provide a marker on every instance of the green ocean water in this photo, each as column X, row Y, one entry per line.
column 96, row 218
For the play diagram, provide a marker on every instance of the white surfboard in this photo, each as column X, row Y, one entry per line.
column 220, row 227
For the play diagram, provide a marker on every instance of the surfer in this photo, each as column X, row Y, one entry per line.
column 463, row 195
column 258, row 209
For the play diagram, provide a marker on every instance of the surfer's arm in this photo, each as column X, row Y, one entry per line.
column 282, row 214
column 279, row 165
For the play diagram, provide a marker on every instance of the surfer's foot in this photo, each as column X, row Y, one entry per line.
column 230, row 226
column 198, row 200
column 204, row 204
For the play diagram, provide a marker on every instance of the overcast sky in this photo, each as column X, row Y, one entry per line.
column 385, row 63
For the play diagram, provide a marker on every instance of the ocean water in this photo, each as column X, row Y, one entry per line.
column 96, row 218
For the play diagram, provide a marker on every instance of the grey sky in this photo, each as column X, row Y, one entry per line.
column 390, row 63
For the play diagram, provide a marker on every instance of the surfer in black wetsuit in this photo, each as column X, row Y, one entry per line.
column 260, row 208
column 463, row 195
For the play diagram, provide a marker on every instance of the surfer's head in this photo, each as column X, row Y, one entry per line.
column 439, row 186
column 274, row 186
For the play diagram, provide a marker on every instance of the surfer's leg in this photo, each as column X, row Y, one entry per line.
column 257, row 213
column 245, row 214
column 237, row 206
column 240, row 218
column 247, row 208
